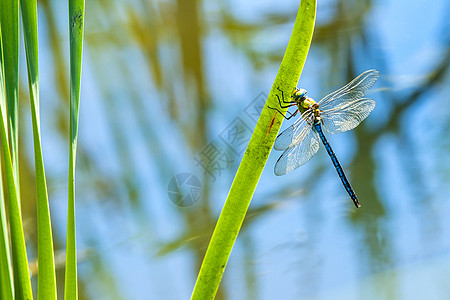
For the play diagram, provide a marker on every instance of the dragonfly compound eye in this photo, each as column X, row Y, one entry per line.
column 298, row 93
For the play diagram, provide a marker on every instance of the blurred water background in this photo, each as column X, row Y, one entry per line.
column 172, row 88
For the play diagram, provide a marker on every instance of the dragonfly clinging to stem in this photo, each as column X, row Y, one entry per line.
column 339, row 111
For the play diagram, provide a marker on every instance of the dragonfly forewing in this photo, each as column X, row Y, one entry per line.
column 350, row 92
column 346, row 116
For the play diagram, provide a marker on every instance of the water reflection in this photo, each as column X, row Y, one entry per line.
column 162, row 80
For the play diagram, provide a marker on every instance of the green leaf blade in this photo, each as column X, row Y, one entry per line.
column 76, row 28
column 9, row 10
column 6, row 279
column 46, row 263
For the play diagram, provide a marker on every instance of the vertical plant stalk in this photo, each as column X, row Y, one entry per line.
column 22, row 284
column 76, row 28
column 46, row 269
column 6, row 278
column 255, row 157
column 9, row 10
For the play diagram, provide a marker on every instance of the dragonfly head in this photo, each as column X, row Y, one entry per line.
column 298, row 94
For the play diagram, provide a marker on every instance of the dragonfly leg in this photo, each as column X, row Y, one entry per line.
column 290, row 114
column 290, row 103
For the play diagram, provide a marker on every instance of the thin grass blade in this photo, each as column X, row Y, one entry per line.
column 9, row 10
column 46, row 263
column 76, row 29
column 6, row 281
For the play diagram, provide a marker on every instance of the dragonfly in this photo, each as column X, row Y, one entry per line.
column 340, row 111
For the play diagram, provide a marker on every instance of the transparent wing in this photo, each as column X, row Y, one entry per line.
column 300, row 151
column 347, row 116
column 352, row 91
column 294, row 133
